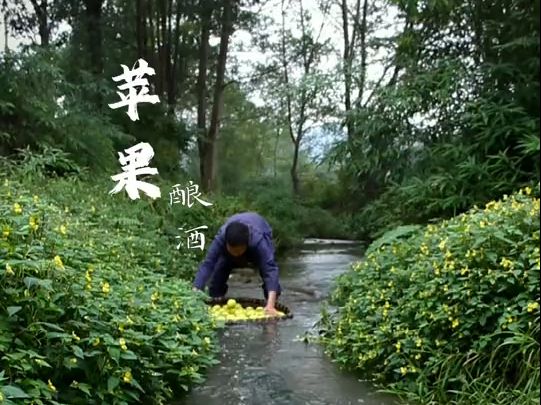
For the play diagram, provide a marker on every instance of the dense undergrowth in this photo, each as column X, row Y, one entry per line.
column 96, row 303
column 447, row 313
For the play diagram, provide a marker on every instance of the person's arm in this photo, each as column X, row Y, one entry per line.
column 207, row 266
column 269, row 271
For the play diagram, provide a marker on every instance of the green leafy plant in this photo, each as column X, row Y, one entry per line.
column 449, row 313
column 96, row 303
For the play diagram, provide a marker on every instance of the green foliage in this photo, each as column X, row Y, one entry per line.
column 291, row 218
column 88, row 312
column 392, row 236
column 458, row 126
column 39, row 106
column 451, row 312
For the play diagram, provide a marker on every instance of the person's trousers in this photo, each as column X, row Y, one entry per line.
column 218, row 283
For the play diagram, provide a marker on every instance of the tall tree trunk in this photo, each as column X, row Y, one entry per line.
column 93, row 23
column 177, row 75
column 43, row 24
column 151, row 36
column 276, row 149
column 347, row 69
column 140, row 27
column 364, row 53
column 6, row 31
column 348, row 56
column 217, row 105
column 294, row 172
column 171, row 58
column 201, row 90
column 94, row 42
column 288, row 102
column 160, row 42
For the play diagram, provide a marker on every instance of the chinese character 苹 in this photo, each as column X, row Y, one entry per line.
column 185, row 196
column 195, row 239
column 134, row 164
column 134, row 78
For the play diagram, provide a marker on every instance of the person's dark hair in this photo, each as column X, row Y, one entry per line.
column 237, row 234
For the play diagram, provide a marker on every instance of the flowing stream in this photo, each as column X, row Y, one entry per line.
column 263, row 363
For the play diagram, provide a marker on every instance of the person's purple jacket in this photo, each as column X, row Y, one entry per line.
column 260, row 250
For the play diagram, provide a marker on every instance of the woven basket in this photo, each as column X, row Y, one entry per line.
column 253, row 302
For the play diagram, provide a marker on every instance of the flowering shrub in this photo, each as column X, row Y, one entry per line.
column 451, row 308
column 87, row 314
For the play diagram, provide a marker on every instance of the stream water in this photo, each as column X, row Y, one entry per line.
column 264, row 364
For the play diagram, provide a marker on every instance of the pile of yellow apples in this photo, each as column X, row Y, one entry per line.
column 233, row 311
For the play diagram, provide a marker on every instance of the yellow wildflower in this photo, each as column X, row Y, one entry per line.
column 417, row 356
column 127, row 377
column 6, row 231
column 105, row 287
column 482, row 224
column 73, row 360
column 154, row 296
column 424, row 249
column 464, row 271
column 207, row 340
column 506, row 263
column 419, row 342
column 122, row 343
column 455, row 323
column 96, row 341
column 36, row 199
column 17, row 209
column 62, row 229
column 1, row 397
column 51, row 386
column 77, row 338
column 398, row 345
column 159, row 328
column 441, row 245
column 58, row 262
column 9, row 270
column 403, row 370
column 33, row 223
column 532, row 306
